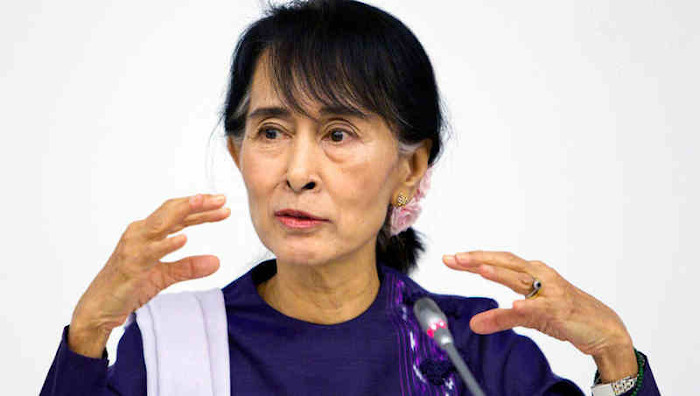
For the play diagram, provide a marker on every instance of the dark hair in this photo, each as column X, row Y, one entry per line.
column 351, row 55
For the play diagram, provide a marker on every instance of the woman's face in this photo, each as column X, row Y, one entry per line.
column 340, row 167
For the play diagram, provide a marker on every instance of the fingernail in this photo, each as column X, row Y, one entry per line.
column 464, row 257
column 219, row 197
column 448, row 259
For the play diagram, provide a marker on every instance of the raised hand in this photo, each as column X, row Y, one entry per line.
column 134, row 274
column 559, row 309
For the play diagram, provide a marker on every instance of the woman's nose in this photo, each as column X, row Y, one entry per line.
column 301, row 168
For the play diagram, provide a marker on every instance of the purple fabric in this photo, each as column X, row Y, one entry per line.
column 381, row 351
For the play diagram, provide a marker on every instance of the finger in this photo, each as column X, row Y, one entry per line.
column 187, row 268
column 519, row 282
column 501, row 259
column 494, row 320
column 474, row 269
column 199, row 218
column 158, row 249
column 173, row 212
column 499, row 319
column 451, row 262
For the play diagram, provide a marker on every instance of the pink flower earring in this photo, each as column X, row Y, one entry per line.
column 405, row 212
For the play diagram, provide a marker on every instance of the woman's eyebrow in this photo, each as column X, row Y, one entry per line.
column 344, row 111
column 273, row 111
column 282, row 112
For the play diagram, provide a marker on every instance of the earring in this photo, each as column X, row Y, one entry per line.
column 401, row 200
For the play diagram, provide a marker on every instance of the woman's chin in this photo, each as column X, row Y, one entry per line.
column 300, row 258
column 302, row 253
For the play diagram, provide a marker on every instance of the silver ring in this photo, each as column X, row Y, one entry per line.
column 536, row 286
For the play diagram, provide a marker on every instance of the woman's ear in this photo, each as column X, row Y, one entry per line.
column 233, row 150
column 415, row 165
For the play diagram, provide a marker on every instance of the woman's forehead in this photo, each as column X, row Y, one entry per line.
column 269, row 104
column 267, row 101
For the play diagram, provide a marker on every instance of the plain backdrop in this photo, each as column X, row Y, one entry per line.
column 575, row 142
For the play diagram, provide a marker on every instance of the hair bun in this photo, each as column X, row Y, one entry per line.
column 400, row 251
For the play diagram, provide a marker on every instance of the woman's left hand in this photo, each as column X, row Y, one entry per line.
column 560, row 310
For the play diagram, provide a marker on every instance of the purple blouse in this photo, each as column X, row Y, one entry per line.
column 382, row 351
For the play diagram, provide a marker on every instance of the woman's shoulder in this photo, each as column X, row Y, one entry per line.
column 459, row 310
column 492, row 357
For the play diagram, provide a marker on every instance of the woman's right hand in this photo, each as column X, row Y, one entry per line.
column 134, row 274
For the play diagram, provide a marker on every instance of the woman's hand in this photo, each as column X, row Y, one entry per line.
column 134, row 273
column 560, row 310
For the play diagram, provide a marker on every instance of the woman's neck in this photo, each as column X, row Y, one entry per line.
column 330, row 293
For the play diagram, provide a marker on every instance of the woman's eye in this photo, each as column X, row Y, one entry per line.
column 336, row 135
column 268, row 133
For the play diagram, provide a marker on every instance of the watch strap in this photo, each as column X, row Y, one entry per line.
column 615, row 388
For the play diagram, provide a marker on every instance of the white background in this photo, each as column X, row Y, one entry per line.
column 575, row 143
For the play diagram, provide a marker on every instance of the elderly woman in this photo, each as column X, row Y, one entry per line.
column 334, row 120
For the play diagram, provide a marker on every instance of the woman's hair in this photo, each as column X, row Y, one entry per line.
column 350, row 55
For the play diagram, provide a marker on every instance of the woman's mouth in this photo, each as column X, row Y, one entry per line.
column 296, row 219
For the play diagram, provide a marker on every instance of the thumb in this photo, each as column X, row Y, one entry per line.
column 494, row 320
column 192, row 267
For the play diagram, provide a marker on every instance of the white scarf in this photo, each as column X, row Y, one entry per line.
column 185, row 344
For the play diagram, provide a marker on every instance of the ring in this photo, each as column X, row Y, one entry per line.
column 536, row 286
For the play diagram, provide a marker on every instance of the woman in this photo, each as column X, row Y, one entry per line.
column 333, row 119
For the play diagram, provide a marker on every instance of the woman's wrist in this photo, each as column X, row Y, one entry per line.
column 616, row 362
column 90, row 343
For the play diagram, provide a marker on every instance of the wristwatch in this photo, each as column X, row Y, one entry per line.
column 614, row 388
column 621, row 386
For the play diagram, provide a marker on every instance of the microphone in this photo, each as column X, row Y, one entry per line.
column 434, row 322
